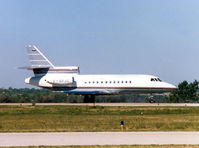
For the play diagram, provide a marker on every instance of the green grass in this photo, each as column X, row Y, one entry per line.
column 97, row 118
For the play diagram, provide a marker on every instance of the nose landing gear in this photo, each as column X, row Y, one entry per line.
column 151, row 99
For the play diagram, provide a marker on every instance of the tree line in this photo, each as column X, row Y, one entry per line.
column 186, row 92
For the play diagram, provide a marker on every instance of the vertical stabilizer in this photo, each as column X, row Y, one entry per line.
column 37, row 59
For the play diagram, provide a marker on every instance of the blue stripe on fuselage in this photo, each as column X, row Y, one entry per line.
column 83, row 92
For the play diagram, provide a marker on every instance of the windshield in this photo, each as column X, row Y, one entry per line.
column 156, row 79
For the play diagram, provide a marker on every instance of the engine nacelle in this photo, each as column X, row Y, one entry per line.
column 60, row 81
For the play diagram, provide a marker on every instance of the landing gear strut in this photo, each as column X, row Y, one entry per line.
column 150, row 99
column 89, row 99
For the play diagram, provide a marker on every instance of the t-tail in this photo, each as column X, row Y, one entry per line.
column 41, row 65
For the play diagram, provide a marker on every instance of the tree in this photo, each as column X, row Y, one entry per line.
column 186, row 92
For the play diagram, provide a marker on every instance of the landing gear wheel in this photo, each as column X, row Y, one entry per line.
column 151, row 99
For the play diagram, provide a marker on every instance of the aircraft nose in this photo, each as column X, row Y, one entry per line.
column 171, row 86
column 27, row 80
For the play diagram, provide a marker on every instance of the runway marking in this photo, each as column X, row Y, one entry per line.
column 98, row 138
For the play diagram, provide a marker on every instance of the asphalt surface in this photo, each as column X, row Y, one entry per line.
column 107, row 104
column 98, row 138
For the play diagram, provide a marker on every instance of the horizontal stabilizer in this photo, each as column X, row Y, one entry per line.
column 32, row 68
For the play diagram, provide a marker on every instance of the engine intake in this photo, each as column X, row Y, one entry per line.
column 61, row 81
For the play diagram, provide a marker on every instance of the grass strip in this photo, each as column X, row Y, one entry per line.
column 97, row 118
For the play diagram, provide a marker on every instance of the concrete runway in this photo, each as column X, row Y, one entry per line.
column 107, row 104
column 98, row 138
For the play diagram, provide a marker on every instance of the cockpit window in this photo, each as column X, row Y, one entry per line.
column 156, row 79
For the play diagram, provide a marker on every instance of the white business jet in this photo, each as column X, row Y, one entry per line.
column 68, row 80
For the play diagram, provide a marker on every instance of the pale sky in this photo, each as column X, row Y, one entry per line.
column 158, row 37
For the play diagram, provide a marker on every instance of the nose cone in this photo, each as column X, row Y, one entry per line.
column 27, row 80
column 171, row 86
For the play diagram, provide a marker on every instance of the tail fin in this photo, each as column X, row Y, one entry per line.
column 37, row 59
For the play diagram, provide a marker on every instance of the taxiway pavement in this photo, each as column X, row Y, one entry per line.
column 98, row 138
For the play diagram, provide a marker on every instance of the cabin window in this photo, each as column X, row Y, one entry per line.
column 85, row 82
column 129, row 81
column 121, row 81
column 89, row 82
column 152, row 79
column 93, row 82
column 106, row 81
column 101, row 81
column 113, row 81
column 110, row 82
column 118, row 81
column 126, row 82
column 97, row 82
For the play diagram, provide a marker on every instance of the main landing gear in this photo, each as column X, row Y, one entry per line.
column 89, row 98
